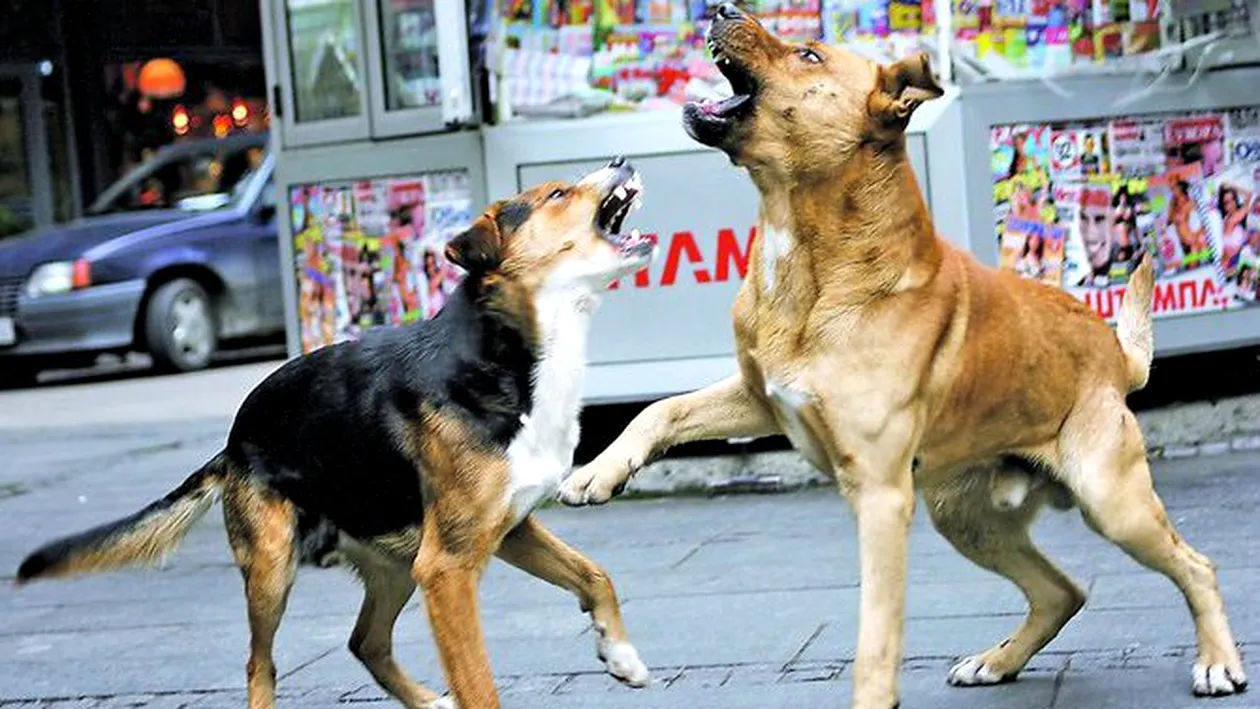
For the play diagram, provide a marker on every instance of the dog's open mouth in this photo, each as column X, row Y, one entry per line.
column 709, row 121
column 743, row 86
column 624, row 197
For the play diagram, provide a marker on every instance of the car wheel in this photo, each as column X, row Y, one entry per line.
column 14, row 375
column 180, row 327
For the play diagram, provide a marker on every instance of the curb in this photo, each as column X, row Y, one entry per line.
column 1172, row 433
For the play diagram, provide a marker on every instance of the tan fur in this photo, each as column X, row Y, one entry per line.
column 261, row 529
column 387, row 588
column 536, row 551
column 146, row 544
column 1133, row 327
column 874, row 344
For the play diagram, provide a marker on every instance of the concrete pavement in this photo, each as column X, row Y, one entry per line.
column 734, row 602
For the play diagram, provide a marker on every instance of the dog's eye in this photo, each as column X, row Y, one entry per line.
column 810, row 56
column 557, row 194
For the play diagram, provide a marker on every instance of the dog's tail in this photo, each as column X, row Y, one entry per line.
column 142, row 538
column 1133, row 327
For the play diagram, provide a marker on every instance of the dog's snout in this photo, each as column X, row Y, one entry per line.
column 618, row 161
column 728, row 11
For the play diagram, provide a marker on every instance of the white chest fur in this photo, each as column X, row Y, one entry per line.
column 776, row 242
column 790, row 404
column 542, row 453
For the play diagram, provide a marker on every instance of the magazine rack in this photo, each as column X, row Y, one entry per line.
column 1192, row 313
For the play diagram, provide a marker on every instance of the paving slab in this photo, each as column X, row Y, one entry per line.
column 746, row 601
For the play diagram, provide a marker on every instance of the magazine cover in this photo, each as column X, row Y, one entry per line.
column 1106, row 225
column 1179, row 222
column 1025, row 197
column 1196, row 139
column 1093, row 236
column 1242, row 135
column 1130, row 212
column 1233, row 217
column 1019, row 149
column 1011, row 244
column 1243, row 287
column 1065, row 156
column 1033, row 250
column 1136, row 147
column 1067, row 203
column 1092, row 142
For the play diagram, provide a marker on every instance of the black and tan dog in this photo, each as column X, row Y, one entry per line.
column 418, row 452
column 894, row 361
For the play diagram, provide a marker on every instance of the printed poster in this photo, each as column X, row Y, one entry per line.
column 1077, row 205
column 370, row 252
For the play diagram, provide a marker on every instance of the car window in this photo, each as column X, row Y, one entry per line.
column 198, row 181
column 268, row 196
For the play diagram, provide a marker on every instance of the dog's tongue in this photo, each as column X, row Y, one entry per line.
column 723, row 107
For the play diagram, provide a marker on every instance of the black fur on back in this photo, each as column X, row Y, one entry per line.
column 327, row 430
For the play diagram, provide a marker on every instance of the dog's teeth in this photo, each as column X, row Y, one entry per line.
column 620, row 192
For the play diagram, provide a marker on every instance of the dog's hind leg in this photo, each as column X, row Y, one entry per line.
column 261, row 529
column 997, row 539
column 532, row 548
column 1104, row 463
column 387, row 587
column 727, row 409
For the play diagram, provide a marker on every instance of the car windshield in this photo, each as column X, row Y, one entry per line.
column 198, row 180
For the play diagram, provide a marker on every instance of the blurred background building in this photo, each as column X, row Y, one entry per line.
column 88, row 88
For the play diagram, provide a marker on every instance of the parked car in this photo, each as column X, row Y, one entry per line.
column 176, row 258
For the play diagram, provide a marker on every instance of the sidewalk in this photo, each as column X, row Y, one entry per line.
column 737, row 602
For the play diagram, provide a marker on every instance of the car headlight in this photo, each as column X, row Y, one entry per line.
column 59, row 277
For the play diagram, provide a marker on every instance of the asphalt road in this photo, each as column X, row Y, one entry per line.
column 733, row 602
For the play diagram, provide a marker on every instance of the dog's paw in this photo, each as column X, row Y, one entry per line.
column 447, row 702
column 973, row 672
column 591, row 485
column 623, row 662
column 1218, row 680
column 572, row 491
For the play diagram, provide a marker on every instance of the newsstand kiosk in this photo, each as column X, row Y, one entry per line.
column 1056, row 166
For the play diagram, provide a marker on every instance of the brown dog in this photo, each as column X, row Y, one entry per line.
column 894, row 361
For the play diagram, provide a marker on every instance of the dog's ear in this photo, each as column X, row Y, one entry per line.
column 479, row 249
column 901, row 87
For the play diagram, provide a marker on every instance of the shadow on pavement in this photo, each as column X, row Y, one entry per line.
column 112, row 368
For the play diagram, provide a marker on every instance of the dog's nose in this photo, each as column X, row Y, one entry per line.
column 619, row 161
column 728, row 11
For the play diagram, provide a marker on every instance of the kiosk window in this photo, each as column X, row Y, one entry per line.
column 410, row 49
column 324, row 46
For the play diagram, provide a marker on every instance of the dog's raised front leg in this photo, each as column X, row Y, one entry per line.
column 532, row 548
column 878, row 484
column 726, row 409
